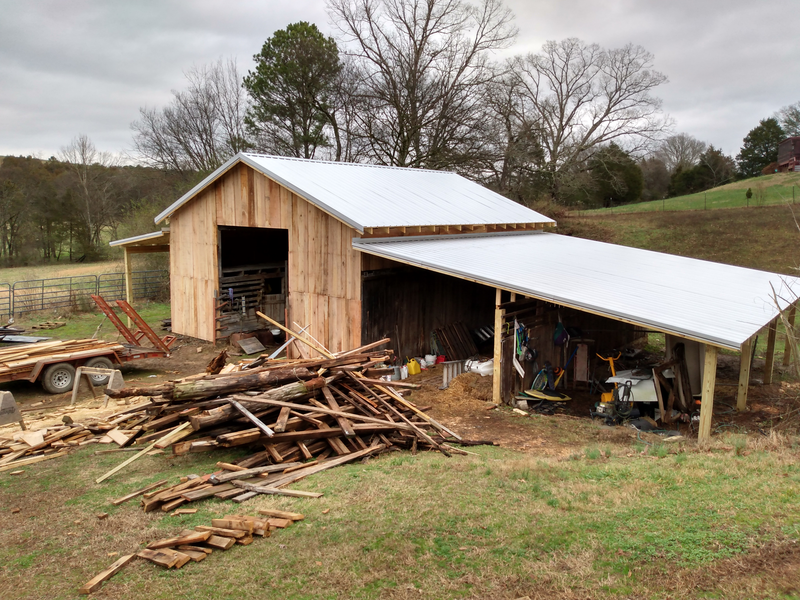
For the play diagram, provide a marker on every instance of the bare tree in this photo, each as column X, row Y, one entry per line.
column 681, row 151
column 583, row 96
column 202, row 127
column 423, row 69
column 789, row 119
column 98, row 203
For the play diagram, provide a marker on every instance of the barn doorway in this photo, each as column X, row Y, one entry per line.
column 253, row 268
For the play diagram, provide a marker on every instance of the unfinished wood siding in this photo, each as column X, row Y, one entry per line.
column 324, row 272
column 193, row 267
column 407, row 303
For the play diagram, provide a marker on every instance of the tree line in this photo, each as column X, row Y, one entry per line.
column 71, row 206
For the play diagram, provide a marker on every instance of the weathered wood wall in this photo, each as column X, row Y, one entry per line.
column 324, row 272
column 407, row 304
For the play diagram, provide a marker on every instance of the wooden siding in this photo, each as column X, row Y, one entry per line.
column 407, row 303
column 324, row 272
column 194, row 271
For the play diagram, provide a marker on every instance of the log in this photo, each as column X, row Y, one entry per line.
column 226, row 413
column 209, row 387
column 238, row 382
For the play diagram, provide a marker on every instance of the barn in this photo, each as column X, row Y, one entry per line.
column 358, row 252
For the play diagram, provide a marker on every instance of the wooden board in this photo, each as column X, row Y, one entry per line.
column 94, row 584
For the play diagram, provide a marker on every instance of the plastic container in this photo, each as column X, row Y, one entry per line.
column 484, row 369
column 404, row 372
column 396, row 374
column 413, row 367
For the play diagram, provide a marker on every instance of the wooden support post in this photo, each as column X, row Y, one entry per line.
column 128, row 280
column 769, row 361
column 497, row 371
column 744, row 375
column 787, row 350
column 707, row 402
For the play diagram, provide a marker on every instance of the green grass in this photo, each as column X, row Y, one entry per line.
column 780, row 188
column 501, row 524
column 764, row 238
column 11, row 275
column 84, row 325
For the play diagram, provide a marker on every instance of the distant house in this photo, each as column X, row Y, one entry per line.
column 789, row 155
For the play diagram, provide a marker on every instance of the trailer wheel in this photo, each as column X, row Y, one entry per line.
column 101, row 362
column 58, row 378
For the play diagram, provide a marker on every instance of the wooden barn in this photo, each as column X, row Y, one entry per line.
column 360, row 252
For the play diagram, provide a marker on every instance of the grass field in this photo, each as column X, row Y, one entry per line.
column 764, row 238
column 780, row 188
column 84, row 325
column 63, row 269
column 644, row 521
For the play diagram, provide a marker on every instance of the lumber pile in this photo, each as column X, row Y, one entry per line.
column 19, row 359
column 29, row 447
column 195, row 545
column 298, row 417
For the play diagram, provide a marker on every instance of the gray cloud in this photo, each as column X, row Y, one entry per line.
column 87, row 66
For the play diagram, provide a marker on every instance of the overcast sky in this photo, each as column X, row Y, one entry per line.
column 86, row 66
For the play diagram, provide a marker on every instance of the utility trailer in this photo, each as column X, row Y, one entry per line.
column 53, row 363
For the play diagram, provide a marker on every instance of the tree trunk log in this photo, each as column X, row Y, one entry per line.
column 207, row 388
column 226, row 413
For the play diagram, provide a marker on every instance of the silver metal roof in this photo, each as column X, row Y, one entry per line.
column 153, row 235
column 719, row 304
column 375, row 196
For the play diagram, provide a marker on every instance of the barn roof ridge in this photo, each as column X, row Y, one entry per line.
column 381, row 196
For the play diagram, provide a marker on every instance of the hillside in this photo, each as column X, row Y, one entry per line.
column 779, row 188
column 764, row 238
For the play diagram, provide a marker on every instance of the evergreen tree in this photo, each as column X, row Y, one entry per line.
column 760, row 148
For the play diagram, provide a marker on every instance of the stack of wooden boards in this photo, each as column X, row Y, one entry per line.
column 197, row 544
column 298, row 417
column 28, row 447
column 20, row 359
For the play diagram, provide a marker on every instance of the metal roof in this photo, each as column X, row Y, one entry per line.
column 719, row 304
column 375, row 196
column 146, row 239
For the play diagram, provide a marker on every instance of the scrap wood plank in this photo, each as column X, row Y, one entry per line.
column 138, row 455
column 138, row 492
column 220, row 531
column 401, row 400
column 30, row 461
column 261, row 489
column 322, row 466
column 166, row 558
column 245, row 473
column 94, row 584
column 220, row 542
column 281, row 514
column 197, row 537
column 252, row 418
column 195, row 549
column 195, row 555
column 238, row 524
column 206, row 492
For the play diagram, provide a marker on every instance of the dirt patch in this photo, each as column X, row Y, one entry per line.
column 755, row 574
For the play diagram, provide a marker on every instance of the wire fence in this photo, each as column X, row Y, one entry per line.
column 74, row 293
